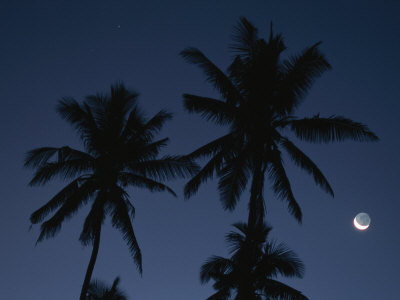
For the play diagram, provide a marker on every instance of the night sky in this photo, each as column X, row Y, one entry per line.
column 52, row 49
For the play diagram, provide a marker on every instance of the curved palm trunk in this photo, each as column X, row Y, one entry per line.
column 90, row 267
column 256, row 205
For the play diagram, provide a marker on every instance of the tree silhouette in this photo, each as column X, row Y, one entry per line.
column 260, row 94
column 251, row 272
column 99, row 291
column 119, row 151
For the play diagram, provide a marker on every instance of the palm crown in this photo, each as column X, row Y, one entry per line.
column 260, row 92
column 119, row 151
column 251, row 272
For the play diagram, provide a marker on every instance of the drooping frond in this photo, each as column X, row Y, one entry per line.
column 210, row 109
column 304, row 162
column 69, row 207
column 214, row 75
column 59, row 199
column 277, row 290
column 204, row 174
column 64, row 169
column 94, row 220
column 121, row 220
column 222, row 144
column 140, row 181
column 332, row 129
column 40, row 156
column 278, row 259
column 233, row 179
column 168, row 167
column 282, row 187
column 235, row 240
column 214, row 267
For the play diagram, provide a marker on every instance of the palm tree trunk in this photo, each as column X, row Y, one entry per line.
column 256, row 205
column 90, row 267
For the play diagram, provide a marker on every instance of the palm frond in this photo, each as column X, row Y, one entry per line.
column 207, row 172
column 221, row 144
column 55, row 202
column 300, row 73
column 168, row 167
column 140, row 152
column 100, row 291
column 244, row 37
column 138, row 129
column 233, row 180
column 214, row 266
column 235, row 240
column 210, row 109
column 281, row 186
column 64, row 169
column 121, row 101
column 246, row 235
column 332, row 129
column 69, row 207
column 277, row 290
column 278, row 259
column 94, row 220
column 80, row 117
column 121, row 220
column 307, row 164
column 155, row 124
column 97, row 290
column 39, row 156
column 140, row 181
column 131, row 208
column 109, row 111
column 134, row 125
column 214, row 75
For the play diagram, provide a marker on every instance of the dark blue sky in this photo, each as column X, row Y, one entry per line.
column 52, row 49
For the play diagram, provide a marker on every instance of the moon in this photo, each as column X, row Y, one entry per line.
column 362, row 221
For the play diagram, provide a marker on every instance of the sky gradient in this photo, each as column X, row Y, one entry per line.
column 53, row 49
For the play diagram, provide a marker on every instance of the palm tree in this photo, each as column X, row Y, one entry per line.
column 260, row 94
column 119, row 151
column 99, row 291
column 251, row 271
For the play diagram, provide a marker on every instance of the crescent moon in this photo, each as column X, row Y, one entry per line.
column 359, row 226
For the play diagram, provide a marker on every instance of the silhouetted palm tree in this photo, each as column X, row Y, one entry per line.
column 252, row 270
column 99, row 291
column 119, row 151
column 261, row 91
